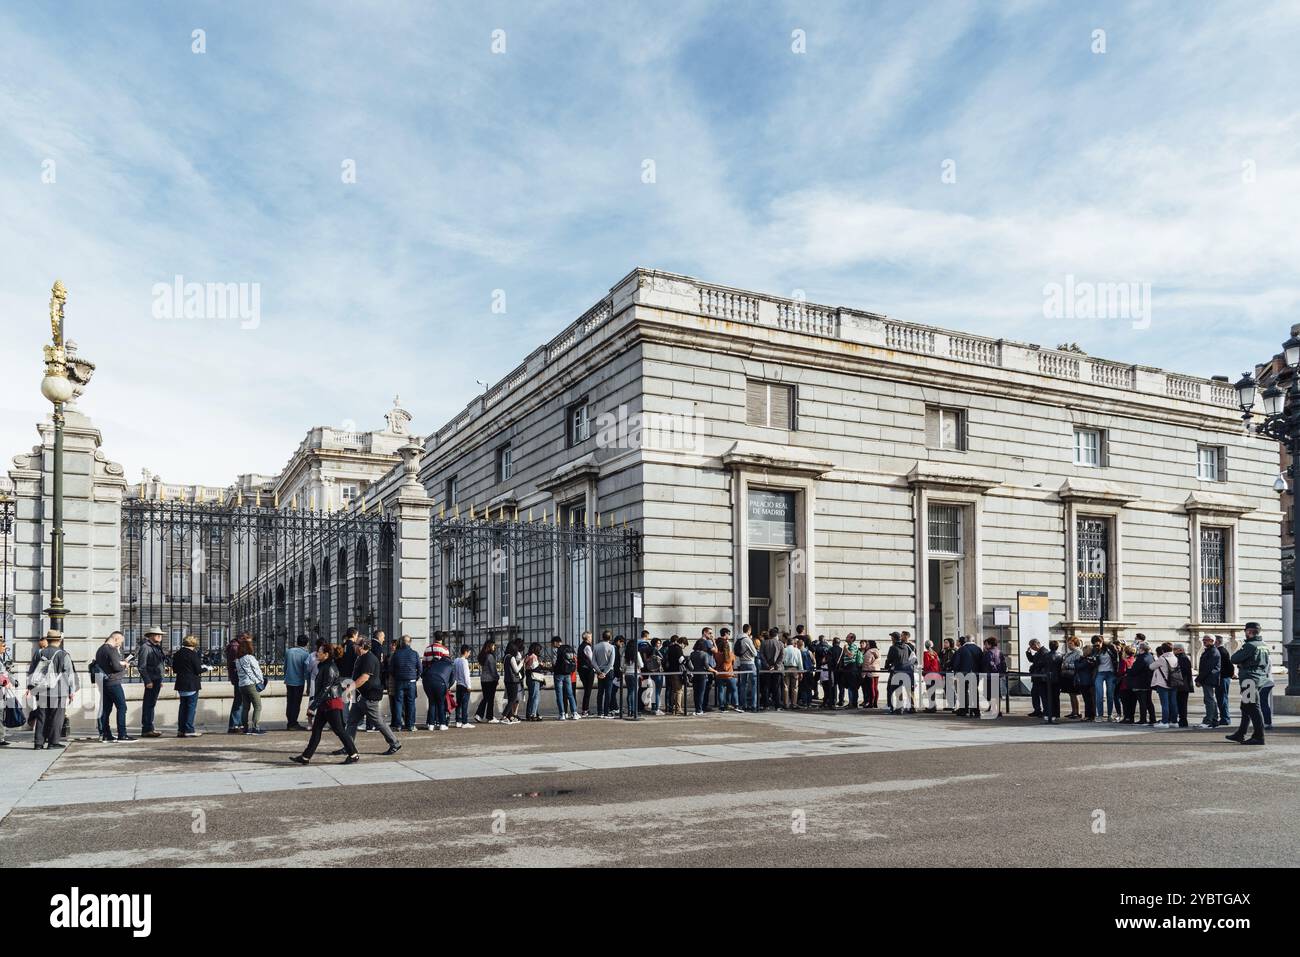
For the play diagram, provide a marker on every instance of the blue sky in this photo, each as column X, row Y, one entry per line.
column 522, row 171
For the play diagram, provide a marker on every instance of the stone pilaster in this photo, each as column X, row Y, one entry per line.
column 92, row 521
column 412, row 508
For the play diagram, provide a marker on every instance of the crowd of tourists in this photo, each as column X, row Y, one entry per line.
column 343, row 684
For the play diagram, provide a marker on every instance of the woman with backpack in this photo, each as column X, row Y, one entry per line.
column 700, row 666
column 514, row 675
column 251, row 681
column 326, row 706
column 534, row 679
column 1163, row 672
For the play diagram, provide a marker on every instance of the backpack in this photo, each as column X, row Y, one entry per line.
column 45, row 674
column 1068, row 665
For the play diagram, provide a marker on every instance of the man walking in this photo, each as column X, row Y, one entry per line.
column 112, row 668
column 150, row 665
column 369, row 689
column 52, row 684
column 1207, row 677
column 295, row 682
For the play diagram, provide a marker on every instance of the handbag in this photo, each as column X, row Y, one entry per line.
column 14, row 716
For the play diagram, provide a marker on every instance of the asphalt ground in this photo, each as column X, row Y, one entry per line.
column 915, row 791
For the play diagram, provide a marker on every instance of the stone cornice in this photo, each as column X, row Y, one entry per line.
column 787, row 459
column 1100, row 491
column 943, row 475
column 1216, row 503
column 571, row 473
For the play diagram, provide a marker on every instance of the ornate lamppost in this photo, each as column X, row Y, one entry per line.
column 65, row 376
column 1282, row 424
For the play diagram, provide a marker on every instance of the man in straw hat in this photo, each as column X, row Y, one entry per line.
column 150, row 665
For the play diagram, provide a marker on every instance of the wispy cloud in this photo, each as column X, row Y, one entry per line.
column 1172, row 158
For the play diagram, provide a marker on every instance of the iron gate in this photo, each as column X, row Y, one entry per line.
column 215, row 570
column 505, row 579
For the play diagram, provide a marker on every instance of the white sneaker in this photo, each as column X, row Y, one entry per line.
column 564, row 717
column 1160, row 726
column 477, row 719
column 441, row 727
column 575, row 717
column 429, row 727
column 659, row 714
column 494, row 721
column 468, row 727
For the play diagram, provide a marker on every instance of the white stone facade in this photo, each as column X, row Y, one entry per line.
column 863, row 467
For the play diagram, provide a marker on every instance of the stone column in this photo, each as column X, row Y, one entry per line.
column 92, row 521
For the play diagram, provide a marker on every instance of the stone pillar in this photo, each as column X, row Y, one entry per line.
column 92, row 521
column 412, row 508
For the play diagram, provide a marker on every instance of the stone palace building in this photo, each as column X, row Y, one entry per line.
column 784, row 463
column 791, row 463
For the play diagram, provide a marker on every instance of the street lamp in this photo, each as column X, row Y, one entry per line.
column 1282, row 424
column 65, row 376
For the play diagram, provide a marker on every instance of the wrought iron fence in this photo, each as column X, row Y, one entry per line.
column 503, row 579
column 216, row 570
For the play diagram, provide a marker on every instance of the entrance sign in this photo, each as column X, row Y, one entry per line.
column 771, row 518
column 1031, row 622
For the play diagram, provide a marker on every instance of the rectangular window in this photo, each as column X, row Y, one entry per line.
column 348, row 492
column 769, row 405
column 1092, row 554
column 1088, row 447
column 1214, row 574
column 504, row 468
column 579, row 422
column 1209, row 463
column 451, row 492
column 945, row 428
column 501, row 578
column 944, row 536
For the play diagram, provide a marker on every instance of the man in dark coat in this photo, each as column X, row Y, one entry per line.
column 150, row 666
column 1207, row 677
column 965, row 662
column 1227, row 671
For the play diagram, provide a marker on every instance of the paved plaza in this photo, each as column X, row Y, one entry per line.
column 768, row 789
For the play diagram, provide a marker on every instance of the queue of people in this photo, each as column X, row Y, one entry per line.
column 344, row 683
column 1123, row 677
